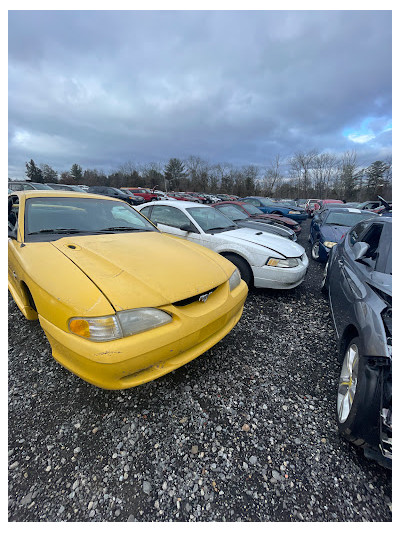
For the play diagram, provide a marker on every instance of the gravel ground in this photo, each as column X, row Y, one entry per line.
column 246, row 432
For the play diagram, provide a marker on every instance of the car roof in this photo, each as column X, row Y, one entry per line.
column 344, row 209
column 175, row 203
column 35, row 193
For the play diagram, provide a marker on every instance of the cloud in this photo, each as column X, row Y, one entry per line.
column 100, row 88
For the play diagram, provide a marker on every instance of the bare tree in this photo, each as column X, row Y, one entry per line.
column 323, row 172
column 272, row 177
column 301, row 164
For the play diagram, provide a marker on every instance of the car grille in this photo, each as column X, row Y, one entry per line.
column 192, row 299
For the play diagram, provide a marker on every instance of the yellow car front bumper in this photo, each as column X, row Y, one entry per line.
column 131, row 361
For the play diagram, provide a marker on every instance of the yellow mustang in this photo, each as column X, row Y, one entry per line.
column 120, row 302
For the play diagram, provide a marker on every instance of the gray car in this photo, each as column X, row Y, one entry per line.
column 358, row 279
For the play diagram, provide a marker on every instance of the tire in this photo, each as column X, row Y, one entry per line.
column 243, row 267
column 315, row 251
column 324, row 282
column 350, row 407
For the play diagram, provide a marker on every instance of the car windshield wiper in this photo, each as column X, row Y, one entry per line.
column 222, row 227
column 58, row 230
column 124, row 228
column 335, row 224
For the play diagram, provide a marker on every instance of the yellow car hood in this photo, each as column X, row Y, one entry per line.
column 146, row 269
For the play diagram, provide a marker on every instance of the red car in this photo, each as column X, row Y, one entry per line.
column 255, row 213
column 180, row 196
column 144, row 193
column 321, row 203
column 310, row 206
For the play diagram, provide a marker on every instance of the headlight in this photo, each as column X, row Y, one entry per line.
column 294, row 212
column 329, row 244
column 234, row 280
column 123, row 324
column 283, row 263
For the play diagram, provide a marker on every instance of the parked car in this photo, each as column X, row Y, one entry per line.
column 146, row 194
column 322, row 203
column 264, row 260
column 301, row 202
column 113, row 192
column 369, row 205
column 256, row 214
column 64, row 187
column 358, row 279
column 88, row 267
column 27, row 186
column 267, row 205
column 310, row 206
column 244, row 221
column 330, row 226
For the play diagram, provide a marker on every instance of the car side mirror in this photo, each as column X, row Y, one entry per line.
column 359, row 250
column 187, row 227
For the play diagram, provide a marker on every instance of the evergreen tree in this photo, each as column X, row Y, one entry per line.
column 174, row 171
column 33, row 172
column 49, row 174
column 376, row 178
column 76, row 173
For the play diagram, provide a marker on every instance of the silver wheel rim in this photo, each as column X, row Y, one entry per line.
column 315, row 250
column 347, row 383
column 324, row 276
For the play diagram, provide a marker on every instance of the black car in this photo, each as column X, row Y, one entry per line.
column 244, row 221
column 358, row 279
column 116, row 193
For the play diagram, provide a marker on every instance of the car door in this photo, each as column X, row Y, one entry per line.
column 14, row 250
column 315, row 227
column 347, row 276
column 170, row 220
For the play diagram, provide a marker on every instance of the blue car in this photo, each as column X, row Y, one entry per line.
column 330, row 226
column 270, row 206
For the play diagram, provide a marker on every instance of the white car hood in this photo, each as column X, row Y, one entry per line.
column 276, row 243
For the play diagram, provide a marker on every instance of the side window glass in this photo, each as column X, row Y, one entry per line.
column 13, row 207
column 170, row 216
column 372, row 238
column 146, row 211
column 356, row 232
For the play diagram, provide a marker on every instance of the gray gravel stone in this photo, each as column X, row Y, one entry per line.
column 228, row 403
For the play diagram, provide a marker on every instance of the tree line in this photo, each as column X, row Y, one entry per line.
column 302, row 175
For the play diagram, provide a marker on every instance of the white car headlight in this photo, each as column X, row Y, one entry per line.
column 234, row 280
column 329, row 244
column 122, row 324
column 283, row 263
column 294, row 212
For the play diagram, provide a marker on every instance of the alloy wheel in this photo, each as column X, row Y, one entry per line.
column 315, row 251
column 347, row 382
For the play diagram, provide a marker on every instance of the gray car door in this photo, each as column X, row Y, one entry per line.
column 346, row 284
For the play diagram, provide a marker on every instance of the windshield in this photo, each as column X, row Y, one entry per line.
column 232, row 212
column 253, row 210
column 42, row 186
column 346, row 218
column 51, row 218
column 210, row 219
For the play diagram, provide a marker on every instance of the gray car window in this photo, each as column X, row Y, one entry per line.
column 170, row 216
column 356, row 232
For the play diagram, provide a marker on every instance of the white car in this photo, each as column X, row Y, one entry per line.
column 264, row 259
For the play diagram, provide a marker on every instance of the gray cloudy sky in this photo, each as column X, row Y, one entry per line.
column 102, row 88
